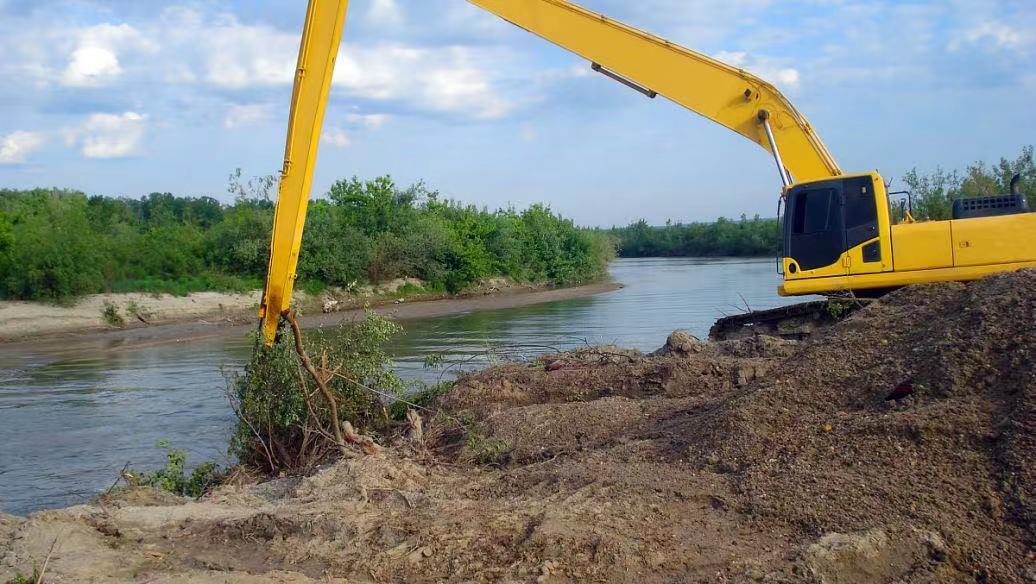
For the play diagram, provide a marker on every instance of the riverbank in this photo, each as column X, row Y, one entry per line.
column 156, row 318
column 898, row 445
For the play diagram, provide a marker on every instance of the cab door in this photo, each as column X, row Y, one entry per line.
column 815, row 231
column 863, row 244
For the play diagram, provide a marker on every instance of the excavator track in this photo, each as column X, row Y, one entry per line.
column 794, row 322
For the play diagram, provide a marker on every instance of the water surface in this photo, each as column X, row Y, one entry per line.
column 74, row 412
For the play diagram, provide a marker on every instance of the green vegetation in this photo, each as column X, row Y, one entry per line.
column 173, row 478
column 60, row 244
column 284, row 423
column 746, row 237
column 933, row 194
column 110, row 314
column 20, row 578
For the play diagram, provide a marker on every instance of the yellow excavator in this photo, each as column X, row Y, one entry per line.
column 838, row 231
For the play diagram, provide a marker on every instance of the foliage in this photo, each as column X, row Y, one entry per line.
column 110, row 314
column 59, row 244
column 173, row 477
column 20, row 578
column 746, row 237
column 932, row 194
column 284, row 423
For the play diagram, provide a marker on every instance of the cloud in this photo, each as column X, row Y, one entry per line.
column 992, row 34
column 337, row 137
column 385, row 13
column 110, row 135
column 95, row 60
column 369, row 121
column 439, row 79
column 240, row 115
column 16, row 147
column 763, row 67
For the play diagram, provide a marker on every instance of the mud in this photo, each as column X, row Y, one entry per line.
column 755, row 460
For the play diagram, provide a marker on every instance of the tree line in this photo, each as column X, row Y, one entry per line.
column 742, row 238
column 61, row 244
column 930, row 196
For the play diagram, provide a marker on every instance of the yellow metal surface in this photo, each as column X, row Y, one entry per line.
column 993, row 240
column 319, row 49
column 895, row 279
column 724, row 94
column 921, row 246
column 856, row 263
column 839, row 268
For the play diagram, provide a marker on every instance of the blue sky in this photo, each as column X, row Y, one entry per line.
column 124, row 97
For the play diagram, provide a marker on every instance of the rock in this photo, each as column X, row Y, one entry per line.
column 845, row 558
column 555, row 365
column 330, row 306
column 681, row 343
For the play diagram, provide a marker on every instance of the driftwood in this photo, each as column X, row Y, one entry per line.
column 344, row 433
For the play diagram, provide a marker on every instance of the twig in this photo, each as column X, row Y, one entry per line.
column 43, row 570
column 343, row 432
column 122, row 474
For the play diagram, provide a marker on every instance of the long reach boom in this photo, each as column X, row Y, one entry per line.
column 726, row 95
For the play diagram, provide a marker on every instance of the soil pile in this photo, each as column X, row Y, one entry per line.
column 755, row 460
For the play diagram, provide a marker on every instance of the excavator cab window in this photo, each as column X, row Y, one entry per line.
column 815, row 210
column 814, row 232
column 861, row 211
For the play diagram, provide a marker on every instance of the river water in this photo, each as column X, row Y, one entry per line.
column 74, row 412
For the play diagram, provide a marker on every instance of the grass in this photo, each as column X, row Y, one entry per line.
column 188, row 285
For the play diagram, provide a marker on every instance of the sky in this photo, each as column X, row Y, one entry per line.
column 126, row 97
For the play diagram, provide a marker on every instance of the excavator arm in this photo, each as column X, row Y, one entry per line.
column 321, row 37
column 726, row 95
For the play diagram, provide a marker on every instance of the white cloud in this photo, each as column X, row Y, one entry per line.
column 385, row 13
column 16, row 147
column 91, row 66
column 95, row 60
column 110, row 135
column 239, row 115
column 337, row 137
column 763, row 67
column 442, row 79
column 993, row 34
column 370, row 121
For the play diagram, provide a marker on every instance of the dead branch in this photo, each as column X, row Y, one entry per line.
column 344, row 433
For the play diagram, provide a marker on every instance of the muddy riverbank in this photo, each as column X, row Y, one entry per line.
column 164, row 318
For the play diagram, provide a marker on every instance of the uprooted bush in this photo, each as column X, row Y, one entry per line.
column 285, row 422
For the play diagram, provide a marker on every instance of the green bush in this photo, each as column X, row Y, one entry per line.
column 173, row 477
column 110, row 314
column 280, row 429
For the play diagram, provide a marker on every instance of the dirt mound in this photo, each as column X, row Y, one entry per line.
column 745, row 461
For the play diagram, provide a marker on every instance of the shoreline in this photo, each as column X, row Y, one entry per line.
column 212, row 314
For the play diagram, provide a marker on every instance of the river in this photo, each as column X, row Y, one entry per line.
column 74, row 412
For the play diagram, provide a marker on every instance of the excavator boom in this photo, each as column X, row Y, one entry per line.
column 321, row 37
column 726, row 95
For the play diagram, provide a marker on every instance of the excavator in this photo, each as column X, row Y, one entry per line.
column 838, row 229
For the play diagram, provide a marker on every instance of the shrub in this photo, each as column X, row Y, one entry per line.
column 284, row 424
column 173, row 477
column 110, row 314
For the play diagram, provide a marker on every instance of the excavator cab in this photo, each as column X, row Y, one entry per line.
column 836, row 227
